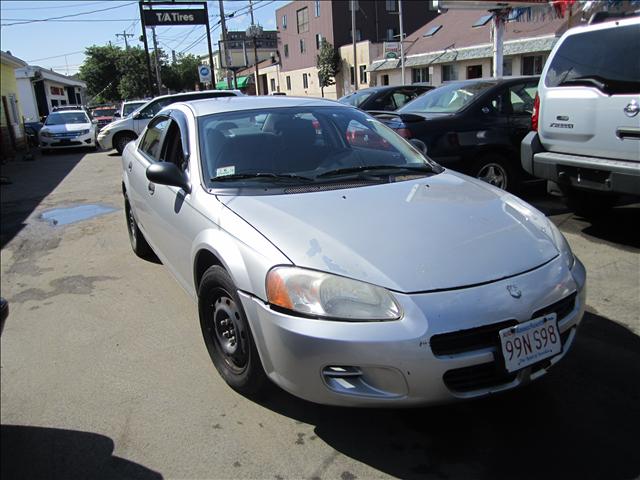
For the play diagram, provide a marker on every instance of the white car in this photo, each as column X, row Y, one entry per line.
column 117, row 134
column 67, row 129
column 129, row 107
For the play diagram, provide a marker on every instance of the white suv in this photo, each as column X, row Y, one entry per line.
column 586, row 116
column 117, row 134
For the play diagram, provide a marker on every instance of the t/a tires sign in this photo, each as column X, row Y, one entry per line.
column 175, row 17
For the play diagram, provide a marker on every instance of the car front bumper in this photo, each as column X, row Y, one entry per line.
column 393, row 363
column 105, row 139
column 85, row 140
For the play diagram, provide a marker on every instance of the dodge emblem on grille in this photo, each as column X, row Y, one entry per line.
column 514, row 291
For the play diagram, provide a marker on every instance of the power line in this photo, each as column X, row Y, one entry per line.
column 66, row 16
column 26, row 20
column 51, row 8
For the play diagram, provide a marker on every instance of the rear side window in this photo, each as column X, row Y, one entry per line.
column 603, row 59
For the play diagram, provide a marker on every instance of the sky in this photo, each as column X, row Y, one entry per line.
column 59, row 45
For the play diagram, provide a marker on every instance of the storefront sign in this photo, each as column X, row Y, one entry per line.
column 174, row 17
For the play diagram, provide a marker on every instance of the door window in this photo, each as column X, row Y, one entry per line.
column 172, row 150
column 150, row 143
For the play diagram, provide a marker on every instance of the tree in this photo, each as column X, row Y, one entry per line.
column 182, row 74
column 132, row 67
column 101, row 73
column 328, row 63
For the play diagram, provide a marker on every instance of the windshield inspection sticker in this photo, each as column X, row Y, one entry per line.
column 221, row 172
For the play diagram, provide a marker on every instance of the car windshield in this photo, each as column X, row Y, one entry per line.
column 355, row 99
column 307, row 144
column 447, row 98
column 131, row 107
column 65, row 118
column 104, row 112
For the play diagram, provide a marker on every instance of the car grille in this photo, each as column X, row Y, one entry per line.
column 66, row 135
column 490, row 374
column 65, row 144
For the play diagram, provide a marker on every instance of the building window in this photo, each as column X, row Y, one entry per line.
column 474, row 71
column 286, row 50
column 317, row 8
column 392, row 33
column 420, row 75
column 303, row 47
column 391, row 6
column 288, row 82
column 273, row 84
column 532, row 65
column 358, row 35
column 507, row 67
column 449, row 73
column 303, row 20
column 355, row 2
column 54, row 103
column 363, row 73
column 284, row 22
column 385, row 80
column 351, row 74
column 318, row 40
column 305, row 80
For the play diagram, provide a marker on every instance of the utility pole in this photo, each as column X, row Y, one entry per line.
column 155, row 52
column 255, row 31
column 124, row 35
column 401, row 39
column 353, row 37
column 227, row 55
column 146, row 48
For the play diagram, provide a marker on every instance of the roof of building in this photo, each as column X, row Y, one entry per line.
column 34, row 71
column 457, row 39
column 9, row 59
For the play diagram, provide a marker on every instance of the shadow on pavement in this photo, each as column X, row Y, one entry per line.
column 581, row 421
column 31, row 182
column 51, row 453
column 620, row 226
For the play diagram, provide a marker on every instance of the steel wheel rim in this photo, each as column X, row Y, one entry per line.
column 227, row 331
column 494, row 174
column 131, row 224
column 122, row 142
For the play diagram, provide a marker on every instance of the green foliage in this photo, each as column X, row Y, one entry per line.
column 183, row 74
column 328, row 63
column 100, row 72
column 133, row 74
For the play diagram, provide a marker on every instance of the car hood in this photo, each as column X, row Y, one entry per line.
column 68, row 127
column 441, row 232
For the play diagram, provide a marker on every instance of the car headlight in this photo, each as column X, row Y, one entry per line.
column 46, row 133
column 562, row 245
column 83, row 132
column 332, row 297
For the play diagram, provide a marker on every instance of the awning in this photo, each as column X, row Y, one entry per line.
column 243, row 82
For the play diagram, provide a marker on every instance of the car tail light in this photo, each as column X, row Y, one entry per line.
column 535, row 115
column 404, row 132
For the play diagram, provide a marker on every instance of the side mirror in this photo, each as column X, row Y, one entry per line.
column 419, row 144
column 116, row 115
column 167, row 173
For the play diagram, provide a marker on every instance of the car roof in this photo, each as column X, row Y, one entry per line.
column 494, row 80
column 197, row 92
column 208, row 106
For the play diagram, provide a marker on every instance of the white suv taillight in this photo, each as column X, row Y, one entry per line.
column 535, row 115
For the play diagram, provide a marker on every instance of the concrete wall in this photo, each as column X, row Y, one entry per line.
column 28, row 100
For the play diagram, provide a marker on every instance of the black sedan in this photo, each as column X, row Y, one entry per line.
column 474, row 126
column 384, row 98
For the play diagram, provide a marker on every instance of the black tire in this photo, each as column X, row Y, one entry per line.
column 588, row 204
column 121, row 139
column 227, row 334
column 139, row 244
column 498, row 171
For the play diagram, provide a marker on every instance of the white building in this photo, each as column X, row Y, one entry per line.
column 40, row 90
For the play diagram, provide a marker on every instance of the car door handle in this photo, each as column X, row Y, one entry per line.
column 629, row 132
column 130, row 166
column 152, row 188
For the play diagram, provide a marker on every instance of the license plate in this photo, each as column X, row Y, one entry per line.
column 530, row 342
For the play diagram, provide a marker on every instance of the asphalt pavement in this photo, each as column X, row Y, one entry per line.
column 105, row 374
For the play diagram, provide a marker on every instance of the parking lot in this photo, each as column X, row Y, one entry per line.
column 105, row 374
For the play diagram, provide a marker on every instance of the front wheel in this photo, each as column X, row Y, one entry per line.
column 121, row 141
column 227, row 334
column 497, row 171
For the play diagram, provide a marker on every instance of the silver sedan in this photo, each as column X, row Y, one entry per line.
column 330, row 256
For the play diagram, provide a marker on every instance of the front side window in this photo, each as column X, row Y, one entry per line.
column 309, row 142
column 447, row 98
column 302, row 16
column 152, row 139
column 66, row 118
column 609, row 66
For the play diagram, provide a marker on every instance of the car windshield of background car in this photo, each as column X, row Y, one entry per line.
column 355, row 99
column 446, row 99
column 66, row 118
column 104, row 112
column 299, row 141
column 131, row 107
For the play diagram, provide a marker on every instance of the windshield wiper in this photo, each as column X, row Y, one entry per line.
column 594, row 81
column 607, row 85
column 367, row 168
column 268, row 175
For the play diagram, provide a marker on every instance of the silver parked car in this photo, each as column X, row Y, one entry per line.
column 330, row 256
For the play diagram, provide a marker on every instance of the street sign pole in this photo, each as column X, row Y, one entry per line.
column 213, row 76
column 146, row 49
